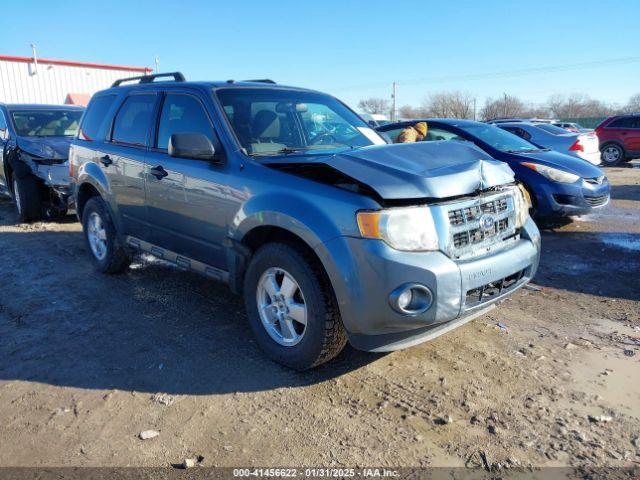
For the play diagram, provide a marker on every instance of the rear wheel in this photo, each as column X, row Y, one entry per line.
column 26, row 196
column 291, row 307
column 108, row 254
column 612, row 154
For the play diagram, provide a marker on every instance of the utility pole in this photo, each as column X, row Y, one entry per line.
column 474, row 109
column 393, row 103
column 34, row 67
column 504, row 105
column 157, row 64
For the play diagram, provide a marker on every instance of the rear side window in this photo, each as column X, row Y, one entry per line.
column 624, row 122
column 182, row 114
column 95, row 118
column 132, row 122
column 518, row 131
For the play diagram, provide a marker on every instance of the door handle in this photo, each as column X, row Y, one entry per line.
column 106, row 160
column 158, row 172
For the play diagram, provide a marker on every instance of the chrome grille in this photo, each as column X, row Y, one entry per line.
column 477, row 235
column 597, row 201
column 479, row 225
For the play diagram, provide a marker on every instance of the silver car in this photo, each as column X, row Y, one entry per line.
column 545, row 135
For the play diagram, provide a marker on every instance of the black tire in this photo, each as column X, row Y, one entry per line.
column 116, row 259
column 26, row 197
column 324, row 336
column 612, row 154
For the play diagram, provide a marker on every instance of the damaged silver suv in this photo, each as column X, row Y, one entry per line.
column 34, row 148
column 288, row 196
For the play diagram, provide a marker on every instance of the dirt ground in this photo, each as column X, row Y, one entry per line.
column 88, row 361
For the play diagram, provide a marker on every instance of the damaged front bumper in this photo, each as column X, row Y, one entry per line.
column 365, row 273
column 56, row 177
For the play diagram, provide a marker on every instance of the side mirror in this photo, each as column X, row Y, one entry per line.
column 373, row 123
column 195, row 146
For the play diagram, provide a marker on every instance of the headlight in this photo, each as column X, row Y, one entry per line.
column 409, row 229
column 552, row 173
column 523, row 204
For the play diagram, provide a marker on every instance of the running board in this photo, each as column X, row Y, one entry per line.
column 184, row 263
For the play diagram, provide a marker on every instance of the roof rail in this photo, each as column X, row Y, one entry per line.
column 177, row 77
column 262, row 80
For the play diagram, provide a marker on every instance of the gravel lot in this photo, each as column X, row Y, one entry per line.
column 88, row 361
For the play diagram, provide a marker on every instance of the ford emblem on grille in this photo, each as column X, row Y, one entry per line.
column 487, row 222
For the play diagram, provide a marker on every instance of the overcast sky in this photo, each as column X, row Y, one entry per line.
column 352, row 49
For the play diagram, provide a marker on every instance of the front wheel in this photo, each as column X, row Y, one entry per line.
column 612, row 154
column 108, row 254
column 291, row 307
column 26, row 196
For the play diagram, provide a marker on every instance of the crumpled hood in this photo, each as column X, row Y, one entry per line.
column 48, row 148
column 422, row 170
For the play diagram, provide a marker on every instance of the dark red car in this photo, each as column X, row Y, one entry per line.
column 619, row 138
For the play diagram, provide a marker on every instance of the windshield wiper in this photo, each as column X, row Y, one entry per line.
column 292, row 149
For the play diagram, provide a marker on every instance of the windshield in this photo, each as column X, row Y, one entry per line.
column 46, row 123
column 499, row 138
column 279, row 122
column 552, row 129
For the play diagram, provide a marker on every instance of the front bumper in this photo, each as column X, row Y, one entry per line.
column 56, row 177
column 364, row 273
column 554, row 199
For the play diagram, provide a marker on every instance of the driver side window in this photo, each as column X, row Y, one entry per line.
column 182, row 114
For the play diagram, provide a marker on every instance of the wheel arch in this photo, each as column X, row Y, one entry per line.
column 84, row 192
column 612, row 142
column 243, row 249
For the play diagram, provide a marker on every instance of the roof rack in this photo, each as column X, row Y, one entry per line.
column 262, row 80
column 177, row 77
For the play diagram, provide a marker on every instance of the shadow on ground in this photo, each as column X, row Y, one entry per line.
column 591, row 263
column 152, row 329
column 625, row 192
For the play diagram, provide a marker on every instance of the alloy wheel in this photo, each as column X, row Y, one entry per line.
column 281, row 306
column 97, row 236
column 611, row 154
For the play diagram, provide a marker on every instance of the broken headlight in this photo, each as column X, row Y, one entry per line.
column 408, row 229
column 522, row 204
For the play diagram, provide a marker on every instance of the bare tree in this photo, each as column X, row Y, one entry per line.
column 374, row 105
column 407, row 111
column 504, row 106
column 578, row 105
column 449, row 105
column 633, row 105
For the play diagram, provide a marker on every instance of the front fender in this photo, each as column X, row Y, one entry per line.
column 294, row 213
column 90, row 173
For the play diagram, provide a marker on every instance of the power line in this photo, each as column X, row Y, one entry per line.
column 504, row 73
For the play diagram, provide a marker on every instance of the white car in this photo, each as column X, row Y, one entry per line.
column 581, row 145
column 375, row 119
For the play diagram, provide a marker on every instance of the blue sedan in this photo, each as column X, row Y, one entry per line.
column 560, row 185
